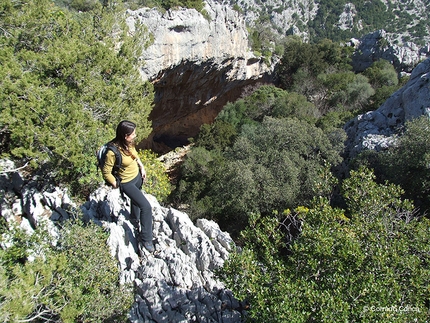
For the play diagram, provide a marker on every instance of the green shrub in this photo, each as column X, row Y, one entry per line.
column 74, row 279
column 157, row 181
column 314, row 59
column 364, row 264
column 267, row 100
column 84, row 5
column 270, row 166
column 384, row 80
column 381, row 73
column 217, row 136
column 65, row 82
column 197, row 174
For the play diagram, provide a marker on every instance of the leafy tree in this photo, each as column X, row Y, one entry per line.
column 335, row 55
column 334, row 119
column 73, row 280
column 197, row 174
column 347, row 89
column 297, row 55
column 407, row 163
column 366, row 263
column 381, row 73
column 271, row 166
column 267, row 100
column 322, row 73
column 217, row 136
column 384, row 80
column 65, row 86
column 157, row 181
column 314, row 59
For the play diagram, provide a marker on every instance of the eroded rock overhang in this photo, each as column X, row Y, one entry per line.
column 197, row 64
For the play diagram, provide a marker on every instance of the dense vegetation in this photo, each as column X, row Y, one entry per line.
column 277, row 147
column 67, row 77
column 323, row 239
column 316, row 246
column 74, row 279
column 65, row 85
column 367, row 262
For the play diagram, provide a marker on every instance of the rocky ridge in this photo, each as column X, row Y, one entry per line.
column 174, row 284
column 376, row 130
column 382, row 45
column 197, row 63
column 292, row 17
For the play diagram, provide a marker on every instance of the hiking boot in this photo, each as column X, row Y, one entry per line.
column 149, row 246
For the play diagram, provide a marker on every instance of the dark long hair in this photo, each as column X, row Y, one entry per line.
column 123, row 129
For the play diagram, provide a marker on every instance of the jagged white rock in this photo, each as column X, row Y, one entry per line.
column 175, row 284
column 182, row 265
column 376, row 129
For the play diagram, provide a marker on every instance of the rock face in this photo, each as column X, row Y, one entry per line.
column 407, row 19
column 282, row 17
column 175, row 284
column 346, row 18
column 381, row 45
column 375, row 129
column 197, row 64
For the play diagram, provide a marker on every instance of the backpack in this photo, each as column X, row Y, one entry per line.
column 101, row 158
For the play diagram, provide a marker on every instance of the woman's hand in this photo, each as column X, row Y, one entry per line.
column 142, row 169
column 143, row 172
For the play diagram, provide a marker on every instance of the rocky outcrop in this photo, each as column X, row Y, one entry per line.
column 282, row 17
column 381, row 45
column 376, row 129
column 407, row 20
column 174, row 284
column 197, row 64
column 347, row 17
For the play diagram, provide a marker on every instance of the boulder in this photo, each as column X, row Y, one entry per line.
column 377, row 129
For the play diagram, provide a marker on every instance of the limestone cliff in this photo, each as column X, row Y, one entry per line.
column 382, row 45
column 197, row 64
column 375, row 129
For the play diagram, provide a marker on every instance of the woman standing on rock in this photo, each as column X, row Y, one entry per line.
column 132, row 174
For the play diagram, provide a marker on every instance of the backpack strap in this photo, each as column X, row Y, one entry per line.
column 118, row 158
column 117, row 165
column 118, row 161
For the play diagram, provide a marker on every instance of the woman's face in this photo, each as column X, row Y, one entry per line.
column 130, row 138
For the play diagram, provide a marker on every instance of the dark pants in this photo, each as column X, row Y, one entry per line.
column 141, row 210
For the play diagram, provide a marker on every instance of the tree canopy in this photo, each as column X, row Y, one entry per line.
column 73, row 280
column 67, row 79
column 364, row 263
column 274, row 157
